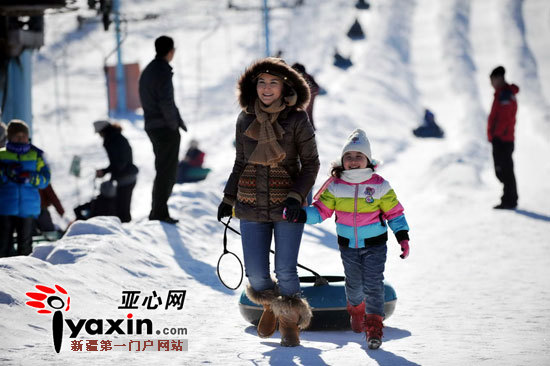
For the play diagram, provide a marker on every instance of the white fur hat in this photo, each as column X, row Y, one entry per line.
column 358, row 141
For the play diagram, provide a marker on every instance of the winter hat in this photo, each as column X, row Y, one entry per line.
column 293, row 81
column 16, row 126
column 358, row 141
column 498, row 72
column 100, row 125
column 163, row 45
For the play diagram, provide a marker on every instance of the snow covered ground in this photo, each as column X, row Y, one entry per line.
column 474, row 289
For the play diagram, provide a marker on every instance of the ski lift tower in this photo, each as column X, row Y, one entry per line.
column 21, row 32
column 266, row 28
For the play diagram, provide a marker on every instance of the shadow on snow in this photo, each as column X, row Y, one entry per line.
column 202, row 272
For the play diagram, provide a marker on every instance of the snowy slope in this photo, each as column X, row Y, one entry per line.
column 475, row 284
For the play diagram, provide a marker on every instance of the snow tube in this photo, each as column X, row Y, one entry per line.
column 356, row 31
column 328, row 303
column 429, row 131
column 362, row 5
column 342, row 62
column 191, row 174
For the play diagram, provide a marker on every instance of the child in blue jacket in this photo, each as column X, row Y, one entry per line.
column 23, row 172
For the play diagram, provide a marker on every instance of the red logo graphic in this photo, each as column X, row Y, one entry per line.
column 50, row 297
column 54, row 302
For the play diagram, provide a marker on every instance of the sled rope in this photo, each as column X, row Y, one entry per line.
column 225, row 251
column 319, row 280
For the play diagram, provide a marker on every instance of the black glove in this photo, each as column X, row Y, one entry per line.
column 302, row 217
column 224, row 210
column 292, row 209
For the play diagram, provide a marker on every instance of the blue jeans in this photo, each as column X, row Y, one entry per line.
column 364, row 270
column 256, row 239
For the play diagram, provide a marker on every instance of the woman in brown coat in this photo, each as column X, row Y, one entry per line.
column 275, row 167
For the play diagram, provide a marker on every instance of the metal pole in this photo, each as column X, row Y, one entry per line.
column 18, row 98
column 266, row 25
column 120, row 79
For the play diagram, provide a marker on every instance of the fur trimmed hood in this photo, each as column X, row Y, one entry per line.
column 246, row 86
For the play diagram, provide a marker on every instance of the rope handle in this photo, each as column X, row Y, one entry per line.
column 226, row 251
column 319, row 280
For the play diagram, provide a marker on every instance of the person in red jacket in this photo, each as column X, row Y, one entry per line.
column 48, row 198
column 500, row 133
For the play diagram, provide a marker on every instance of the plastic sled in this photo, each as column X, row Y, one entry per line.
column 356, row 31
column 47, row 236
column 342, row 62
column 362, row 5
column 428, row 131
column 327, row 301
column 192, row 174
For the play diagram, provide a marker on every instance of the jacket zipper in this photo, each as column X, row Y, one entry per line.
column 355, row 216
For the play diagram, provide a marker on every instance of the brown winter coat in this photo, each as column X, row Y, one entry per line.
column 258, row 192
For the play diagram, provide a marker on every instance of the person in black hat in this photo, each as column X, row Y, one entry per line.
column 500, row 133
column 162, row 124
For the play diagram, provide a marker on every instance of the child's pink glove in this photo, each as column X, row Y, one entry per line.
column 404, row 248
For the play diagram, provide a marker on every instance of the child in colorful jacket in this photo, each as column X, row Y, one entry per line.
column 22, row 173
column 364, row 202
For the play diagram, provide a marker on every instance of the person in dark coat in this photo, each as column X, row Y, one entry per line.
column 314, row 89
column 162, row 123
column 500, row 133
column 23, row 171
column 121, row 166
column 429, row 127
column 275, row 167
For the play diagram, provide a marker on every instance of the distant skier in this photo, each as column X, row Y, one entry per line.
column 121, row 166
column 363, row 203
column 500, row 132
column 23, row 172
column 162, row 124
column 275, row 167
column 428, row 128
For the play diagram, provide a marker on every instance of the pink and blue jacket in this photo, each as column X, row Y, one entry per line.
column 362, row 210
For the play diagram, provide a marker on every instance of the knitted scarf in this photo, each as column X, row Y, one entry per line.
column 266, row 131
column 357, row 175
column 18, row 148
